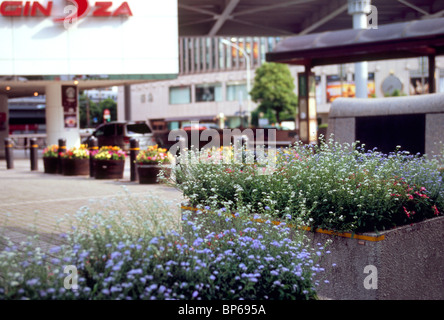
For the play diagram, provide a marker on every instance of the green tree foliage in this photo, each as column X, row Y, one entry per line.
column 274, row 91
column 95, row 111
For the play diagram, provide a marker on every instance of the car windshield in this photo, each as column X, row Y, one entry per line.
column 138, row 128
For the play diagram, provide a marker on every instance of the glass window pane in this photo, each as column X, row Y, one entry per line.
column 236, row 92
column 180, row 95
column 140, row 128
column 208, row 92
column 109, row 130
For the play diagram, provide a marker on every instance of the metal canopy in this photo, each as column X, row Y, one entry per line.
column 393, row 41
column 289, row 17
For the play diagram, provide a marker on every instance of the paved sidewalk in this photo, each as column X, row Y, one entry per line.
column 32, row 201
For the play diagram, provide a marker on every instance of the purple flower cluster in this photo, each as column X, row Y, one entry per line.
column 240, row 259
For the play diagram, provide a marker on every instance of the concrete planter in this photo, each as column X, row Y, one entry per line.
column 405, row 263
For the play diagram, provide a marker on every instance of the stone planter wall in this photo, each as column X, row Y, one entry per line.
column 350, row 116
column 409, row 263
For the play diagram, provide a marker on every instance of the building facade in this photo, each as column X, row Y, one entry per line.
column 212, row 82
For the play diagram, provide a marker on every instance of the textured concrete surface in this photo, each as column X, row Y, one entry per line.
column 32, row 201
column 344, row 111
column 408, row 264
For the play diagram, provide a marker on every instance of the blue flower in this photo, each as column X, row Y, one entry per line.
column 55, row 249
column 32, row 282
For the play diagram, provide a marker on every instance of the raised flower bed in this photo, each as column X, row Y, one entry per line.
column 75, row 161
column 50, row 159
column 151, row 162
column 378, row 211
column 109, row 163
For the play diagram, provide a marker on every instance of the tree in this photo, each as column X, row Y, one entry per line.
column 274, row 91
column 95, row 111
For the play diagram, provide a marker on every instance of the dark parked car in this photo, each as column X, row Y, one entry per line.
column 119, row 134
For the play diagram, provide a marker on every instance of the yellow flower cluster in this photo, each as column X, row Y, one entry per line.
column 154, row 154
column 109, row 153
column 51, row 151
column 77, row 153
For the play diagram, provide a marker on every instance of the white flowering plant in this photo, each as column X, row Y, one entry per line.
column 332, row 186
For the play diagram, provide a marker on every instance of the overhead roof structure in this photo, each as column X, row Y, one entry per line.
column 392, row 41
column 289, row 18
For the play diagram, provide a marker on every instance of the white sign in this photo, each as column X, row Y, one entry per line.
column 80, row 37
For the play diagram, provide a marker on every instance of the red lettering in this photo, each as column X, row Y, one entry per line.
column 45, row 11
column 11, row 8
column 123, row 10
column 102, row 9
column 26, row 8
column 35, row 8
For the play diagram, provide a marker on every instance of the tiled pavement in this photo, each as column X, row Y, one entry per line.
column 32, row 201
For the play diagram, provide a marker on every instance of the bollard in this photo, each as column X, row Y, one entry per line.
column 93, row 145
column 9, row 154
column 34, row 155
column 134, row 151
column 62, row 148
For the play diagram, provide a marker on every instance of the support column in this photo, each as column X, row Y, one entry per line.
column 4, row 122
column 55, row 122
column 432, row 66
column 308, row 131
column 127, row 102
column 359, row 10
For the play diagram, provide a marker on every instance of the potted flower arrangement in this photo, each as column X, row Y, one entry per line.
column 109, row 163
column 51, row 159
column 75, row 161
column 151, row 162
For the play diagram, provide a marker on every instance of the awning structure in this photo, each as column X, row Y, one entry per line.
column 391, row 41
column 241, row 18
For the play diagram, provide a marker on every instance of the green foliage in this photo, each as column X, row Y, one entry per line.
column 137, row 250
column 95, row 110
column 396, row 93
column 330, row 186
column 274, row 91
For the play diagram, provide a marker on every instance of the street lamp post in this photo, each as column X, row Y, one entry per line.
column 247, row 62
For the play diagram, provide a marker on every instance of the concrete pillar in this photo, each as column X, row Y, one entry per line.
column 55, row 122
column 127, row 103
column 432, row 67
column 359, row 10
column 4, row 123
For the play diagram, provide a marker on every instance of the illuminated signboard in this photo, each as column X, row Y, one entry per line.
column 127, row 39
